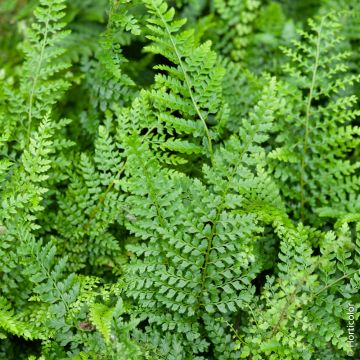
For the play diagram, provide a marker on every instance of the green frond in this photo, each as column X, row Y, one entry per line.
column 239, row 17
column 101, row 316
column 11, row 324
column 39, row 84
column 315, row 131
column 179, row 179
column 189, row 91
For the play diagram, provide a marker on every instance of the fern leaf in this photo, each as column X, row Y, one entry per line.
column 101, row 316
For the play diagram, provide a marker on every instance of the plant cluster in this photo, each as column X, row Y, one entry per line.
column 179, row 179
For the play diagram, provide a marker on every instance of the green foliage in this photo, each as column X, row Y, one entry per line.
column 11, row 324
column 235, row 26
column 195, row 71
column 299, row 298
column 179, row 179
column 315, row 130
column 41, row 50
column 101, row 317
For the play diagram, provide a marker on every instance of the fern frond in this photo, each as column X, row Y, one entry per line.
column 91, row 204
column 239, row 18
column 193, row 268
column 101, row 316
column 189, row 91
column 297, row 296
column 316, row 131
column 38, row 83
column 23, row 194
column 10, row 323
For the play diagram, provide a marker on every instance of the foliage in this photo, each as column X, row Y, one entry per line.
column 179, row 179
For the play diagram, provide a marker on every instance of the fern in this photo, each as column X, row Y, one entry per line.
column 316, row 132
column 90, row 206
column 194, row 94
column 10, row 323
column 179, row 180
column 101, row 316
column 199, row 273
column 298, row 298
column 239, row 18
column 41, row 52
column 21, row 200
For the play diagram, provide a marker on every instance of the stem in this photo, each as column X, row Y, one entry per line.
column 307, row 118
column 335, row 281
column 235, row 332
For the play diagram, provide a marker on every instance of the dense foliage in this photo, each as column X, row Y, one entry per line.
column 179, row 179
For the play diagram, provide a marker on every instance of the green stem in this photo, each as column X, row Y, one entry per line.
column 307, row 118
column 335, row 282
